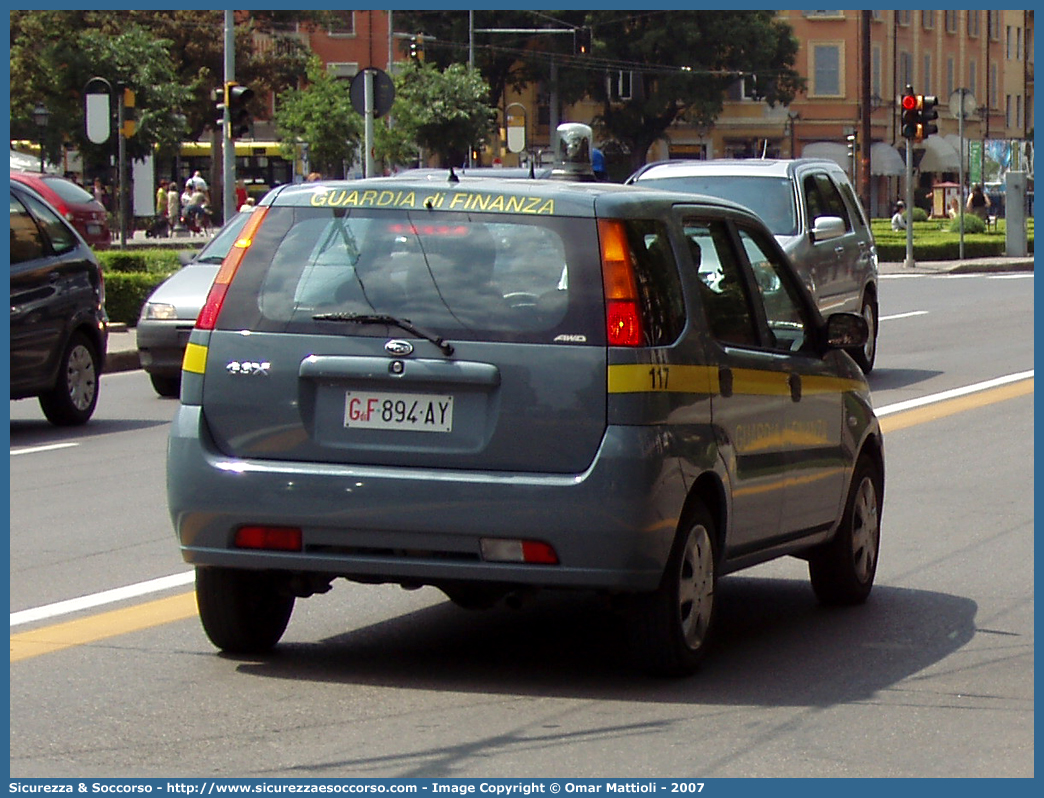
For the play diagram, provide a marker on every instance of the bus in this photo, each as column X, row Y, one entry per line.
column 259, row 164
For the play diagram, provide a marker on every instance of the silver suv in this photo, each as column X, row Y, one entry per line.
column 811, row 209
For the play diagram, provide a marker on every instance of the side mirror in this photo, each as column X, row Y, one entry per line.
column 185, row 256
column 828, row 227
column 846, row 331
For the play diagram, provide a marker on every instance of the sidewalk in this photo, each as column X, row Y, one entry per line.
column 123, row 349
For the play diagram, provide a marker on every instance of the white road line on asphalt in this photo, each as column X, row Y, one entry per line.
column 49, row 448
column 909, row 404
column 105, row 597
column 904, row 315
column 187, row 577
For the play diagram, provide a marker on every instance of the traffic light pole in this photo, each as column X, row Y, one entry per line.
column 228, row 144
column 909, row 204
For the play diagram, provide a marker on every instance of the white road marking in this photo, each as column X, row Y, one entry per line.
column 49, row 448
column 904, row 315
column 898, row 407
column 105, row 597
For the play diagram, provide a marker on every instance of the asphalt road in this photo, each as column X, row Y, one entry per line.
column 932, row 678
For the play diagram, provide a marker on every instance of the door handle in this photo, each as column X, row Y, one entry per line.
column 794, row 381
column 725, row 381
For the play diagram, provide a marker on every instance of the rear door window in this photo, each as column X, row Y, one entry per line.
column 723, row 290
column 465, row 276
column 823, row 199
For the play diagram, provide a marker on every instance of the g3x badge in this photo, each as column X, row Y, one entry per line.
column 254, row 368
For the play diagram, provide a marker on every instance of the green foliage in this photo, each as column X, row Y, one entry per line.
column 919, row 214
column 446, row 112
column 126, row 292
column 683, row 62
column 934, row 240
column 320, row 115
column 151, row 261
column 972, row 224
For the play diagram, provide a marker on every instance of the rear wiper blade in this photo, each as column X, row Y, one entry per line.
column 383, row 318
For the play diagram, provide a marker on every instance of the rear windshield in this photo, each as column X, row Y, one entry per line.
column 771, row 198
column 461, row 276
column 68, row 191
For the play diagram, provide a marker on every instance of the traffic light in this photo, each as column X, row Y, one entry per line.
column 911, row 116
column 130, row 120
column 236, row 99
column 582, row 40
column 417, row 47
column 928, row 103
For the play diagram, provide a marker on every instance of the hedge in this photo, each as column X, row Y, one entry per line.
column 130, row 276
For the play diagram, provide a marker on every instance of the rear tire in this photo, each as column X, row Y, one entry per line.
column 243, row 612
column 169, row 387
column 842, row 571
column 671, row 628
column 75, row 394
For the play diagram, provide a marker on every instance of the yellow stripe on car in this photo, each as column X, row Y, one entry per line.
column 195, row 360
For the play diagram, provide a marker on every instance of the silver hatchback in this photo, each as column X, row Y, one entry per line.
column 812, row 210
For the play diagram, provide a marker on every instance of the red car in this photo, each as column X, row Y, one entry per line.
column 78, row 206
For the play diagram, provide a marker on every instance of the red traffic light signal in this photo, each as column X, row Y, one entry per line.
column 911, row 116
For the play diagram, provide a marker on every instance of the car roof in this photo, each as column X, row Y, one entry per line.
column 547, row 197
column 494, row 172
column 748, row 167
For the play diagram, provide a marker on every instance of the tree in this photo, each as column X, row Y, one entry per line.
column 446, row 112
column 320, row 115
column 681, row 64
column 52, row 63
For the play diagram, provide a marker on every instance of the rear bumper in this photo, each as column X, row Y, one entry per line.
column 611, row 526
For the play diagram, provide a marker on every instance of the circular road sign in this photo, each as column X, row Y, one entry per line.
column 383, row 91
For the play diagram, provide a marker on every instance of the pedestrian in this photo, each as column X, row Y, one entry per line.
column 978, row 202
column 899, row 217
column 313, row 177
column 197, row 182
column 173, row 205
column 241, row 193
column 100, row 193
column 160, row 226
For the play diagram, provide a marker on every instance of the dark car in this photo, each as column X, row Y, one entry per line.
column 58, row 321
column 168, row 315
column 76, row 205
column 502, row 386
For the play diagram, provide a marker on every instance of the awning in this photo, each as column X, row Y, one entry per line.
column 884, row 160
column 831, row 150
column 939, row 156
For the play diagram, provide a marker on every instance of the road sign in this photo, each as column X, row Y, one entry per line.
column 383, row 91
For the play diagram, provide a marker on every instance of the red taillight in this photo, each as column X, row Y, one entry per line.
column 622, row 312
column 270, row 538
column 208, row 316
column 531, row 552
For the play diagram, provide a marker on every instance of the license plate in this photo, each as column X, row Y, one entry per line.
column 94, row 229
column 414, row 412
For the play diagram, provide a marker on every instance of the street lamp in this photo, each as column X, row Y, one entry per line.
column 41, row 116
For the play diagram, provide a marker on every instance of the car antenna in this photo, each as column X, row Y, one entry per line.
column 532, row 169
column 453, row 175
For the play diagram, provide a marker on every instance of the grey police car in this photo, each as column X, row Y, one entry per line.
column 810, row 206
column 497, row 386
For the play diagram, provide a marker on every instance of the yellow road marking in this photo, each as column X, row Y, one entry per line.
column 949, row 407
column 101, row 627
column 56, row 637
